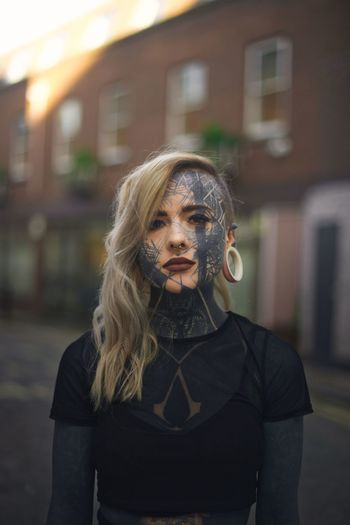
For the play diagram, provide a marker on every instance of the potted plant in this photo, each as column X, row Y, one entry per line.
column 81, row 179
column 221, row 145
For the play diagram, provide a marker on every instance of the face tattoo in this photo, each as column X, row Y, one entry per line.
column 184, row 245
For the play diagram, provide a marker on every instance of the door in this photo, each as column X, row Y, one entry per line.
column 326, row 251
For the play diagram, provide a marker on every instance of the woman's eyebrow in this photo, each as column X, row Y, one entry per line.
column 189, row 207
column 192, row 207
column 161, row 213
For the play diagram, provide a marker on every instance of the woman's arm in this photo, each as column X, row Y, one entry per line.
column 277, row 497
column 72, row 476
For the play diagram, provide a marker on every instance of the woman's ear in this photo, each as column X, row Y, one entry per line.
column 230, row 237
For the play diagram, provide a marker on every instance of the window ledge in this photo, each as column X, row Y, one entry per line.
column 187, row 142
column 19, row 173
column 274, row 129
column 115, row 155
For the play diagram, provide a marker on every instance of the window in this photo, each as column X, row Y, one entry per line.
column 267, row 88
column 21, row 261
column 113, row 125
column 67, row 126
column 186, row 97
column 19, row 165
column 68, row 291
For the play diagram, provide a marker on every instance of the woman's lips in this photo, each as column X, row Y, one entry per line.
column 178, row 264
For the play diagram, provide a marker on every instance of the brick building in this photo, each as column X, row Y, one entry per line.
column 273, row 74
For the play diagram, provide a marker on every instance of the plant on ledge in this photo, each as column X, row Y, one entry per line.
column 222, row 146
column 81, row 179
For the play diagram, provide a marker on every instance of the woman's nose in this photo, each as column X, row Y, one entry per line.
column 177, row 238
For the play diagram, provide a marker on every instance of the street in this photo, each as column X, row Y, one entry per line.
column 28, row 363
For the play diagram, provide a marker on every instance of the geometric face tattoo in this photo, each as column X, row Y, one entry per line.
column 185, row 242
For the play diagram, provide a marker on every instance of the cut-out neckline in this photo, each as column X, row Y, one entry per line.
column 207, row 400
column 152, row 429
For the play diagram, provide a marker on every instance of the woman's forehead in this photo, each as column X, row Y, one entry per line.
column 195, row 185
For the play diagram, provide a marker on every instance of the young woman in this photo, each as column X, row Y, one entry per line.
column 188, row 412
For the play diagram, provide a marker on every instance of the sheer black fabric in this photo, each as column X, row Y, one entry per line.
column 195, row 441
column 71, row 401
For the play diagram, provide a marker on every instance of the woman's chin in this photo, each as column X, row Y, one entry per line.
column 175, row 286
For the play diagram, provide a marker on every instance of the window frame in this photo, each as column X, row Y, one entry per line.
column 62, row 150
column 177, row 107
column 113, row 154
column 256, row 88
column 19, row 166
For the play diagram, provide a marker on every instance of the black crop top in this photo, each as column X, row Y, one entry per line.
column 195, row 441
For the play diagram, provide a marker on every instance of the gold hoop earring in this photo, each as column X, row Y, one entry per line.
column 237, row 274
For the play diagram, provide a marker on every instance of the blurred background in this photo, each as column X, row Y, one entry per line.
column 87, row 91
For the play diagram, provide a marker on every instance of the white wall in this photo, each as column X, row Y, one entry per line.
column 327, row 203
column 279, row 266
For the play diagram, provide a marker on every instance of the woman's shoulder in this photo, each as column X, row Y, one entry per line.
column 285, row 390
column 254, row 334
column 81, row 351
column 71, row 402
column 265, row 344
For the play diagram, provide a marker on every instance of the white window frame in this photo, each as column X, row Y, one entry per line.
column 62, row 147
column 19, row 167
column 110, row 152
column 255, row 87
column 178, row 105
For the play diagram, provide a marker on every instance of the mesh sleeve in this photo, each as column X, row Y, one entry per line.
column 71, row 400
column 286, row 392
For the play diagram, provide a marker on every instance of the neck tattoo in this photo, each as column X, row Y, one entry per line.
column 188, row 314
column 190, row 226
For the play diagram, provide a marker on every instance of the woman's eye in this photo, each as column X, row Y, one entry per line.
column 155, row 224
column 198, row 218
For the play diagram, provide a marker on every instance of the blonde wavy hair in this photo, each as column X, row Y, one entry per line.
column 122, row 334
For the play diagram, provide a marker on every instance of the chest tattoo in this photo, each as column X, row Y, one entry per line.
column 194, row 407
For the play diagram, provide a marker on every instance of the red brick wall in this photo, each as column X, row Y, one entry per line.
column 218, row 33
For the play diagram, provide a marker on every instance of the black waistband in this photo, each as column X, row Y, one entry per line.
column 107, row 516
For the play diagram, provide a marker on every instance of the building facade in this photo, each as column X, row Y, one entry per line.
column 262, row 84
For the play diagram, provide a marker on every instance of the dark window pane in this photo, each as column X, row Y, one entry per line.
column 269, row 65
